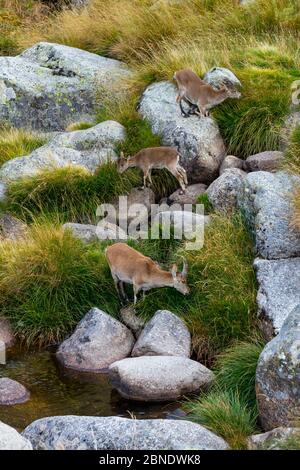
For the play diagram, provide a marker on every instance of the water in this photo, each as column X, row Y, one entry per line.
column 57, row 392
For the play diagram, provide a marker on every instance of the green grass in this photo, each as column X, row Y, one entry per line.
column 226, row 414
column 236, row 367
column 221, row 306
column 79, row 126
column 49, row 281
column 292, row 154
column 71, row 193
column 17, row 143
column 208, row 207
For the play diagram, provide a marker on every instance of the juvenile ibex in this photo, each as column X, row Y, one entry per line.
column 155, row 157
column 129, row 266
column 200, row 95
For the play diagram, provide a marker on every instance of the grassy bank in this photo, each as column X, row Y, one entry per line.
column 257, row 41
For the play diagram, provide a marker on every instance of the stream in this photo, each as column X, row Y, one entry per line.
column 59, row 392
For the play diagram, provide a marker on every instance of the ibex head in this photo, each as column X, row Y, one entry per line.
column 180, row 279
column 123, row 163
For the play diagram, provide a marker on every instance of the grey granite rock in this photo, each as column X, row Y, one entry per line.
column 278, row 376
column 164, row 335
column 10, row 439
column 159, row 378
column 278, row 292
column 223, row 192
column 217, row 76
column 273, row 440
column 265, row 199
column 98, row 341
column 114, row 433
column 190, row 195
column 264, row 161
column 6, row 332
column 12, row 392
column 198, row 140
column 232, row 162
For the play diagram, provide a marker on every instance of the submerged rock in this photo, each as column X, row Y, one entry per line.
column 278, row 292
column 164, row 335
column 10, row 439
column 278, row 376
column 159, row 378
column 198, row 140
column 12, row 392
column 114, row 433
column 98, row 341
column 265, row 199
column 86, row 149
column 49, row 85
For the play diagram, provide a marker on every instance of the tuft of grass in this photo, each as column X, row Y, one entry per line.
column 49, row 281
column 221, row 307
column 224, row 413
column 79, row 126
column 208, row 207
column 292, row 154
column 17, row 143
column 296, row 214
column 236, row 367
column 71, row 192
column 290, row 443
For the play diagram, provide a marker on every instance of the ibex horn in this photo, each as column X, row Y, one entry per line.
column 185, row 268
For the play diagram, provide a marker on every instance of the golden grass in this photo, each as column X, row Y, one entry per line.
column 296, row 215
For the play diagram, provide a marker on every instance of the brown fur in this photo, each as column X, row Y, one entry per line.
column 199, row 94
column 129, row 266
column 155, row 157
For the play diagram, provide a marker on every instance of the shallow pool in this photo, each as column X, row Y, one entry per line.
column 57, row 392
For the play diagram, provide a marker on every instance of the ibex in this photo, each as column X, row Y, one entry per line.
column 200, row 95
column 129, row 266
column 155, row 157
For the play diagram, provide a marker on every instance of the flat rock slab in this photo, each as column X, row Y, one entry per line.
column 114, row 433
column 164, row 335
column 98, row 341
column 198, row 140
column 10, row 439
column 50, row 85
column 12, row 392
column 278, row 292
column 266, row 201
column 87, row 149
column 159, row 378
column 278, row 376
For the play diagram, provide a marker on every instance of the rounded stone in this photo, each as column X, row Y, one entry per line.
column 12, row 392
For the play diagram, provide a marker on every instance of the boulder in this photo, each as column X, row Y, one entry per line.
column 91, row 233
column 265, row 199
column 278, row 292
column 49, row 85
column 98, row 341
column 10, row 439
column 222, row 193
column 232, row 162
column 217, row 76
column 164, row 335
column 273, row 440
column 278, row 375
column 3, row 191
column 159, row 378
column 264, row 161
column 115, row 433
column 134, row 322
column 6, row 332
column 12, row 392
column 11, row 227
column 198, row 140
column 86, row 149
column 190, row 196
column 189, row 223
column 126, row 213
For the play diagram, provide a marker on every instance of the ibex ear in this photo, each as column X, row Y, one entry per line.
column 174, row 271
